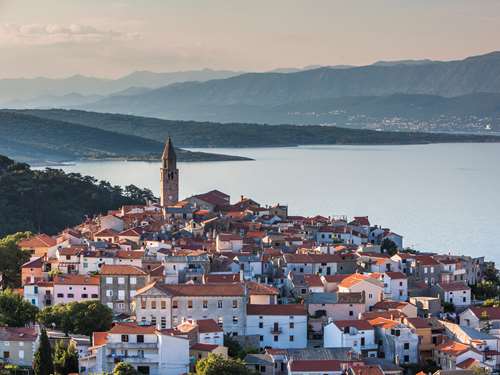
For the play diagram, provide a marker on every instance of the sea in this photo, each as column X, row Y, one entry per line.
column 440, row 197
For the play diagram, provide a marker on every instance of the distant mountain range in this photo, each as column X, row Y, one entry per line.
column 464, row 95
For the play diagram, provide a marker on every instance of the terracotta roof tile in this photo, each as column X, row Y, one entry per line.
column 119, row 269
column 290, row 309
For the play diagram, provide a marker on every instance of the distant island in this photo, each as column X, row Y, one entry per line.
column 92, row 135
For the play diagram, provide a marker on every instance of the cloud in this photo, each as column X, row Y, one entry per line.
column 45, row 34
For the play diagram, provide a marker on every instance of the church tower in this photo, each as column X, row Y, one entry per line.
column 169, row 176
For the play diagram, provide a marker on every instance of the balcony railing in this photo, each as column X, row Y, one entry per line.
column 276, row 330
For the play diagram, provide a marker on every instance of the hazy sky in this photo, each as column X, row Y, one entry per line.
column 58, row 38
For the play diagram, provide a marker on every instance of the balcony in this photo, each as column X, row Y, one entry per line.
column 131, row 345
column 133, row 358
column 275, row 330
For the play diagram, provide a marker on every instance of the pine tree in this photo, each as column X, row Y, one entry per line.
column 65, row 358
column 42, row 364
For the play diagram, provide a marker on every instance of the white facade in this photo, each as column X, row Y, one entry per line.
column 358, row 335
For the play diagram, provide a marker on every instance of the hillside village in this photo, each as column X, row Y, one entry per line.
column 300, row 295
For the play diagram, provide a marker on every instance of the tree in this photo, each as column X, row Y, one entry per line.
column 14, row 310
column 215, row 364
column 12, row 259
column 42, row 363
column 124, row 368
column 78, row 317
column 65, row 358
column 389, row 246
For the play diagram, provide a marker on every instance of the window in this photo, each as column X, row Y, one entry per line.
column 71, row 295
column 140, row 338
column 190, row 304
column 219, row 304
column 133, row 280
column 94, row 296
column 235, row 303
column 153, row 305
column 21, row 354
column 406, row 358
column 109, row 280
column 351, row 313
column 220, row 321
column 60, row 295
column 235, row 320
column 291, row 338
column 6, row 355
column 109, row 293
column 400, row 283
column 124, row 338
column 261, row 338
column 85, row 295
column 275, row 338
column 163, row 304
column 205, row 304
column 121, row 294
column 121, row 280
column 362, row 341
column 425, row 269
column 174, row 304
column 292, row 325
column 406, row 346
column 163, row 322
column 261, row 325
column 153, row 320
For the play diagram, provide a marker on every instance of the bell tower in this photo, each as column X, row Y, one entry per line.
column 169, row 176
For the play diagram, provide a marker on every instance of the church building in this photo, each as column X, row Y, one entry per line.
column 169, row 176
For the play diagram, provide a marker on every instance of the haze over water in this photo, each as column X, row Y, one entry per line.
column 442, row 198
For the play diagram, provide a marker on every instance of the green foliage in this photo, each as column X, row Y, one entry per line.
column 124, row 368
column 77, row 317
column 42, row 363
column 218, row 365
column 492, row 302
column 389, row 246
column 448, row 307
column 12, row 258
column 14, row 310
column 235, row 350
column 51, row 200
column 65, row 358
column 487, row 289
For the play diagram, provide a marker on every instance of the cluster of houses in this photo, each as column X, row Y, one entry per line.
column 313, row 295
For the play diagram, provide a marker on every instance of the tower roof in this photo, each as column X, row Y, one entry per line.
column 169, row 152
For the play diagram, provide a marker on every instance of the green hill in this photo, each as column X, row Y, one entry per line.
column 30, row 138
column 206, row 134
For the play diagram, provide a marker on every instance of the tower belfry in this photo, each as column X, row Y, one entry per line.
column 169, row 176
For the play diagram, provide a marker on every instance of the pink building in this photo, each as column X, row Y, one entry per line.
column 71, row 288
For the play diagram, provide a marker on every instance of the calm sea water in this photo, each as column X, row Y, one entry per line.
column 442, row 197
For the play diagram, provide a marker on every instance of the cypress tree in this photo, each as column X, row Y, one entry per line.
column 42, row 363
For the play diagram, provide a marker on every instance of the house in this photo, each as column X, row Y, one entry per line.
column 167, row 305
column 395, row 286
column 106, row 235
column 372, row 287
column 427, row 306
column 321, row 264
column 405, row 308
column 200, row 351
column 458, row 294
column 75, row 288
column 207, row 331
column 111, row 222
column 319, row 367
column 18, row 345
column 356, row 334
column 450, row 354
column 278, row 326
column 118, row 285
column 183, row 268
column 228, row 243
column 339, row 306
column 261, row 294
column 423, row 328
column 482, row 318
column 149, row 350
column 397, row 342
column 251, row 265
column 33, row 270
column 39, row 293
column 424, row 268
column 260, row 363
column 40, row 245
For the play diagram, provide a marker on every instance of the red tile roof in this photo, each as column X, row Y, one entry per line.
column 367, row 370
column 396, row 275
column 121, row 269
column 256, row 289
column 453, row 348
column 99, row 338
column 452, row 287
column 76, row 280
column 493, row 313
column 198, row 290
column 204, row 347
column 222, row 278
column 41, row 240
column 358, row 324
column 313, row 281
column 208, row 325
column 289, row 309
column 131, row 328
column 18, row 334
column 319, row 365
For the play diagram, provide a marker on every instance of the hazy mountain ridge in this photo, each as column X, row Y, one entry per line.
column 205, row 100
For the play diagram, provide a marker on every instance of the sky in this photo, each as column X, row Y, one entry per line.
column 111, row 38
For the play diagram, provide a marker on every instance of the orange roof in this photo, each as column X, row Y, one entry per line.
column 99, row 338
column 198, row 290
column 354, row 279
column 123, row 254
column 119, row 269
column 320, row 365
column 255, row 289
column 289, row 309
column 132, row 328
column 76, row 280
column 358, row 324
column 468, row 363
column 105, row 233
column 453, row 348
column 367, row 370
column 383, row 322
column 41, row 240
column 208, row 325
column 313, row 281
column 204, row 347
column 222, row 278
